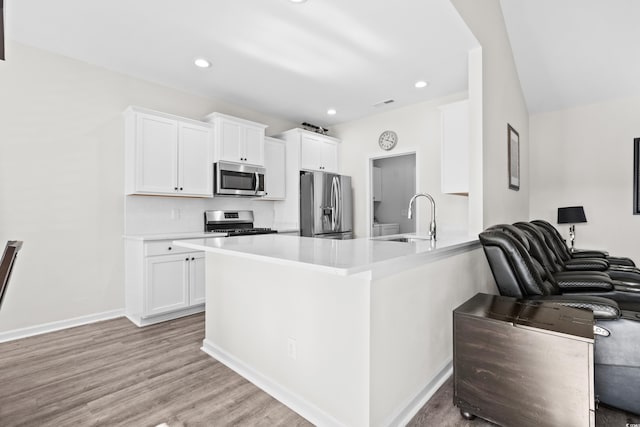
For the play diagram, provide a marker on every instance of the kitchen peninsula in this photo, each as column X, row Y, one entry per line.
column 345, row 332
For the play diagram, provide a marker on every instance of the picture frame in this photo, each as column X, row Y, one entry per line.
column 636, row 176
column 513, row 147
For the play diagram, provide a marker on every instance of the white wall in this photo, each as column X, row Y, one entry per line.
column 419, row 130
column 161, row 215
column 502, row 103
column 584, row 156
column 61, row 179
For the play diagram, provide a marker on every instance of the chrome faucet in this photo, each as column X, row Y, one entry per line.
column 432, row 224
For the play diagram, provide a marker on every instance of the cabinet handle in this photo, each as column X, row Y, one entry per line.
column 186, row 259
column 175, row 188
column 169, row 247
column 193, row 259
column 180, row 188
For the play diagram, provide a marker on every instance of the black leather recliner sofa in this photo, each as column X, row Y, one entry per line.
column 559, row 245
column 574, row 281
column 555, row 247
column 616, row 353
column 566, row 255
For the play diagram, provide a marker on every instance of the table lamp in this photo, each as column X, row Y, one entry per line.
column 571, row 215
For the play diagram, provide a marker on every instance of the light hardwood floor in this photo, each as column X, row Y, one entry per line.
column 113, row 373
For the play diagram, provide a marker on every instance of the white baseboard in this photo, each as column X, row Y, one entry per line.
column 298, row 404
column 411, row 409
column 146, row 321
column 60, row 324
column 311, row 412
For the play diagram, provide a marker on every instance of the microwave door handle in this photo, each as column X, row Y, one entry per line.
column 257, row 178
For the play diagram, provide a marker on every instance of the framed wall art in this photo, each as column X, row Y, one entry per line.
column 513, row 143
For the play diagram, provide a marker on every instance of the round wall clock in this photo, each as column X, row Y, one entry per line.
column 388, row 139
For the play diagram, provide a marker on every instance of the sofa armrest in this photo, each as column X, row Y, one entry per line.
column 587, row 264
column 588, row 253
column 584, row 282
column 602, row 308
column 633, row 288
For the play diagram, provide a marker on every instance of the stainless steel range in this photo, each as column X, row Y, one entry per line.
column 234, row 223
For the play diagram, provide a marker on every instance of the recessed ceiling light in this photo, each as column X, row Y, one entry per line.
column 331, row 111
column 202, row 63
column 421, row 84
column 297, row 1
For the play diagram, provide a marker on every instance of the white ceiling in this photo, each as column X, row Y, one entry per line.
column 574, row 52
column 291, row 60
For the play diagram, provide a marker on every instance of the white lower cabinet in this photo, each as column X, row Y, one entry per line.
column 162, row 281
column 197, row 282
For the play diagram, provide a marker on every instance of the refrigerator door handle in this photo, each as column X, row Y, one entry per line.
column 334, row 206
column 338, row 204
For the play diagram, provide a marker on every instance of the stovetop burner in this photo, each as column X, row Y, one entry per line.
column 234, row 223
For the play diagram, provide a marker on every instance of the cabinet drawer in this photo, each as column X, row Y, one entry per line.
column 163, row 247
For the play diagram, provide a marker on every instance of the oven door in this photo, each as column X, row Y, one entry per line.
column 231, row 179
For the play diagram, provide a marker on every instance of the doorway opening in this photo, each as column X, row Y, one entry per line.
column 393, row 183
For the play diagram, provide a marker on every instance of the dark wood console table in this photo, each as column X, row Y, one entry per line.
column 523, row 363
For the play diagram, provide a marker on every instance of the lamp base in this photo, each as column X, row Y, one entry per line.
column 572, row 236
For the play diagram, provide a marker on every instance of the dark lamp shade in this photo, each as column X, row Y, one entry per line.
column 571, row 215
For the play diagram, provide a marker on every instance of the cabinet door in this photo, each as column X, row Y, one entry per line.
column 455, row 148
column 329, row 156
column 156, row 155
column 195, row 167
column 318, row 154
column 197, row 282
column 274, row 163
column 253, row 147
column 310, row 153
column 166, row 284
column 230, row 139
column 377, row 184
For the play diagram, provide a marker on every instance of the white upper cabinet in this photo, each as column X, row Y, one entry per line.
column 455, row 148
column 238, row 140
column 167, row 155
column 275, row 164
column 195, row 160
column 318, row 153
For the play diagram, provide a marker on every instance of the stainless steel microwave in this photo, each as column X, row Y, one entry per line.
column 231, row 179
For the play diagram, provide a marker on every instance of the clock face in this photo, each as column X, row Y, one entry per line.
column 388, row 139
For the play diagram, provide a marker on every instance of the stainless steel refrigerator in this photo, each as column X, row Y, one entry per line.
column 326, row 207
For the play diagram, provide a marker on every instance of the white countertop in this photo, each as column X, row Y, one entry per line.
column 173, row 236
column 343, row 257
